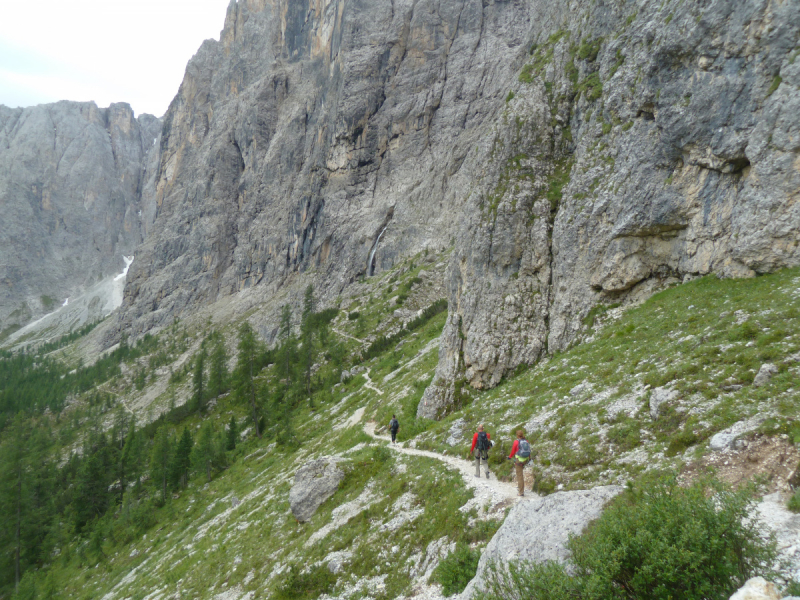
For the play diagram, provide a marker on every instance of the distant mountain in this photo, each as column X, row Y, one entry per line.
column 73, row 201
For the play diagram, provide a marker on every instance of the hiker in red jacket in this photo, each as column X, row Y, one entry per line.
column 481, row 442
column 520, row 454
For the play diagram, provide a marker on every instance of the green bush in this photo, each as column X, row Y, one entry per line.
column 656, row 541
column 306, row 584
column 794, row 502
column 457, row 569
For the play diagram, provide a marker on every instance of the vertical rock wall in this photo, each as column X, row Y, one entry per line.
column 666, row 145
column 72, row 177
column 309, row 128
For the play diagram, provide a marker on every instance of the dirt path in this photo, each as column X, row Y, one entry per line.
column 347, row 335
column 498, row 494
column 371, row 385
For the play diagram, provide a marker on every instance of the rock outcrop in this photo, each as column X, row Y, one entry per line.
column 571, row 153
column 757, row 588
column 74, row 201
column 313, row 484
column 641, row 145
column 321, row 137
column 537, row 531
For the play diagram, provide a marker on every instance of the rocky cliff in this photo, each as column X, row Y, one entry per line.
column 640, row 145
column 576, row 154
column 73, row 199
column 325, row 138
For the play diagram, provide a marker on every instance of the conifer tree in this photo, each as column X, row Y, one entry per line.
column 131, row 458
column 307, row 332
column 218, row 371
column 160, row 458
column 182, row 460
column 204, row 452
column 94, row 477
column 231, row 435
column 287, row 348
column 198, row 375
column 245, row 373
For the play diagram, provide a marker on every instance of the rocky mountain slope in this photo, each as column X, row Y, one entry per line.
column 596, row 414
column 312, row 131
column 641, row 144
column 574, row 153
column 73, row 200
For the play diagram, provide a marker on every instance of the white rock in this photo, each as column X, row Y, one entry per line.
column 757, row 588
column 538, row 530
column 765, row 373
column 659, row 396
column 313, row 484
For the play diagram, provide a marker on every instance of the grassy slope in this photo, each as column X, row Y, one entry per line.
column 586, row 410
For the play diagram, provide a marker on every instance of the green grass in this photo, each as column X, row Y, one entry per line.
column 695, row 338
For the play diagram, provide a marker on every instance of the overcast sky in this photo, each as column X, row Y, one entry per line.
column 103, row 50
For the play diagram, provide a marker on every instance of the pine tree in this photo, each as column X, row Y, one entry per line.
column 244, row 375
column 287, row 346
column 94, row 477
column 182, row 460
column 160, row 458
column 307, row 332
column 131, row 459
column 204, row 451
column 218, row 371
column 198, row 375
column 231, row 435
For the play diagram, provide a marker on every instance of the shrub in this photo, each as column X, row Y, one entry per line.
column 656, row 541
column 457, row 569
column 306, row 584
column 794, row 502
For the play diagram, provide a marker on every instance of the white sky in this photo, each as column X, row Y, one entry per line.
column 132, row 51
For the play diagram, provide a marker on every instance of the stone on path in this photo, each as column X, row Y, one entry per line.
column 313, row 484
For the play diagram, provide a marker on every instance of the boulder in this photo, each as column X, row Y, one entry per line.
column 765, row 373
column 313, row 484
column 725, row 438
column 659, row 396
column 757, row 588
column 455, row 435
column 538, row 530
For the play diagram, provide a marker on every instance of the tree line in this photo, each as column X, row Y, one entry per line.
column 110, row 489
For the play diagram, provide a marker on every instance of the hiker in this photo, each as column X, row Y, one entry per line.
column 394, row 425
column 481, row 442
column 520, row 454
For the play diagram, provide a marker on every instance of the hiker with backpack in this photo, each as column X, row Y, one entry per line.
column 394, row 425
column 481, row 442
column 520, row 454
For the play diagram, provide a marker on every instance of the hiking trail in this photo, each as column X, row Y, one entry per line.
column 487, row 491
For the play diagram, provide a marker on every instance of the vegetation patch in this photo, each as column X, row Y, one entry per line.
column 657, row 540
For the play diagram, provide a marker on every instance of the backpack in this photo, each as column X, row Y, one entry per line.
column 524, row 449
column 394, row 424
column 484, row 443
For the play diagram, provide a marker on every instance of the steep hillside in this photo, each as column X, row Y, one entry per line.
column 74, row 201
column 640, row 144
column 592, row 413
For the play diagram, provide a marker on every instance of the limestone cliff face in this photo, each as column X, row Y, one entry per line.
column 72, row 178
column 574, row 153
column 310, row 128
column 644, row 143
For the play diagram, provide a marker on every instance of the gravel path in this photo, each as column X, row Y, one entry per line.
column 491, row 491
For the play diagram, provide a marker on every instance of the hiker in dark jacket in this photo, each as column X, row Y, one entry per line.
column 520, row 454
column 394, row 425
column 481, row 442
